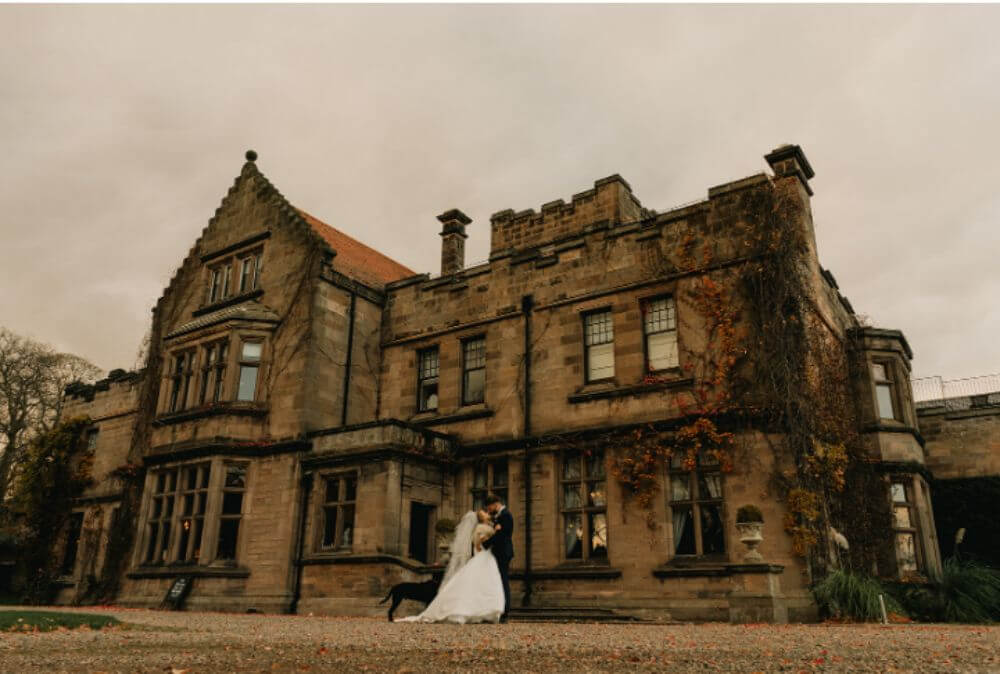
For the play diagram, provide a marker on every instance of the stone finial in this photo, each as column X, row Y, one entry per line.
column 251, row 155
column 790, row 160
column 453, row 238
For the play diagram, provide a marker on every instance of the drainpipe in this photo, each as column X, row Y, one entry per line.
column 306, row 486
column 527, row 303
column 350, row 352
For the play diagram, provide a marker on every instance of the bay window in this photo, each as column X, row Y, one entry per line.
column 884, row 399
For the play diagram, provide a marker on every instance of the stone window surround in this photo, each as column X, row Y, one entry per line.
column 644, row 302
column 423, row 405
column 584, row 316
column 584, row 510
column 229, row 282
column 320, row 505
column 897, row 371
column 212, row 518
column 234, row 337
column 490, row 486
column 892, row 380
column 908, row 483
column 464, row 370
column 695, row 502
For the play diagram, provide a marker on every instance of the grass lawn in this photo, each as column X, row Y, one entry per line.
column 46, row 621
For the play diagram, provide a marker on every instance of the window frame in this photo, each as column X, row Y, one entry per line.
column 490, row 485
column 644, row 306
column 156, row 546
column 339, row 505
column 913, row 514
column 213, row 373
column 585, row 316
column 465, row 370
column 890, row 384
column 254, row 257
column 245, row 362
column 214, row 284
column 695, row 502
column 201, row 492
column 161, row 548
column 223, row 516
column 585, row 510
column 421, row 379
column 178, row 396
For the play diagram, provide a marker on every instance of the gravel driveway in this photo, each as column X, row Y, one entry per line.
column 215, row 642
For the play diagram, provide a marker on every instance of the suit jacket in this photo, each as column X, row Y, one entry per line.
column 500, row 544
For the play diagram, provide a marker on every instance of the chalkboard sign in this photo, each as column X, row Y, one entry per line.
column 177, row 593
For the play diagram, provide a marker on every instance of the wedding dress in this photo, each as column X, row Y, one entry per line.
column 471, row 590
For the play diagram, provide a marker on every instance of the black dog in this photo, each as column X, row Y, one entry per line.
column 422, row 592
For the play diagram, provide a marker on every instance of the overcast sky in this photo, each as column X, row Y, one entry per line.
column 121, row 128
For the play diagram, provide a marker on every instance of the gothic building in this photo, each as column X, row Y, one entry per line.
column 313, row 414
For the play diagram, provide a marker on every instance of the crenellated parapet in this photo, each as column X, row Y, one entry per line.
column 610, row 201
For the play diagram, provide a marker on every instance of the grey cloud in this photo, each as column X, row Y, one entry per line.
column 123, row 127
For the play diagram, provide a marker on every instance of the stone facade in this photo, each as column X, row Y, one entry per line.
column 357, row 407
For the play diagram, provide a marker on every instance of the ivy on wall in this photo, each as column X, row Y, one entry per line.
column 56, row 470
column 769, row 363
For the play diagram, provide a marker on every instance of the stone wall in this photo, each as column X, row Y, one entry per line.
column 962, row 442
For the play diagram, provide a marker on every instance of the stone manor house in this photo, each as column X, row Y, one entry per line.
column 312, row 410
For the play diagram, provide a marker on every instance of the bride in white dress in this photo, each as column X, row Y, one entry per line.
column 471, row 590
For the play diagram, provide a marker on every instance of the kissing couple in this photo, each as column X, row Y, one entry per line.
column 476, row 584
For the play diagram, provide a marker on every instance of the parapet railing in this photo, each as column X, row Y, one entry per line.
column 956, row 394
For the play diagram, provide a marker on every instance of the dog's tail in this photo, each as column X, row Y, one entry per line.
column 386, row 598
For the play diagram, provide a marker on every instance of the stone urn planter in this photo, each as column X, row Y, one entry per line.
column 444, row 532
column 750, row 525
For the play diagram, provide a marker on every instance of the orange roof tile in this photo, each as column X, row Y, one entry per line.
column 355, row 259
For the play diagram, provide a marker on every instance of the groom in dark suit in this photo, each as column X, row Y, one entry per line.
column 501, row 546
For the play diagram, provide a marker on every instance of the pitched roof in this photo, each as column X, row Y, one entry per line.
column 355, row 259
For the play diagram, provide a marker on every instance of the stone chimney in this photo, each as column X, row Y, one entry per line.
column 790, row 160
column 453, row 238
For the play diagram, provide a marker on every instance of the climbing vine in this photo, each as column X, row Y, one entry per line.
column 56, row 470
column 769, row 366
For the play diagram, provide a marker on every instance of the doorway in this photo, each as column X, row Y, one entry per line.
column 420, row 529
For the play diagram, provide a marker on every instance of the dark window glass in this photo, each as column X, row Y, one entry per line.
column 473, row 371
column 72, row 543
column 696, row 510
column 229, row 530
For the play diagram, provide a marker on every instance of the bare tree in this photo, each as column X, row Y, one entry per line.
column 33, row 377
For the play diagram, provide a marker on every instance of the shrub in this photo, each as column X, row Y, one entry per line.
column 749, row 513
column 969, row 592
column 843, row 594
